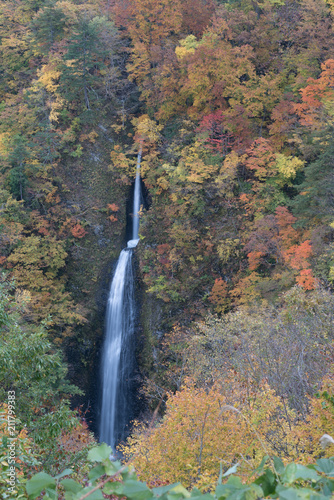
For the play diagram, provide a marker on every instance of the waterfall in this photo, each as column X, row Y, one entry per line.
column 136, row 200
column 118, row 347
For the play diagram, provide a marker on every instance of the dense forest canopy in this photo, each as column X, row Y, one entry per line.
column 232, row 102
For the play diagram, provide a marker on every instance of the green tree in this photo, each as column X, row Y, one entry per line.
column 85, row 58
column 48, row 27
column 34, row 369
column 18, row 158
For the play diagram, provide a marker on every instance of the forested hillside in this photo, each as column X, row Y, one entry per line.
column 232, row 103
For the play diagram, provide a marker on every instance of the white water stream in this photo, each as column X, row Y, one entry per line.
column 118, row 347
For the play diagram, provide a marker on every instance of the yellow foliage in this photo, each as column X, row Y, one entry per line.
column 288, row 166
column 163, row 184
column 147, row 129
column 203, row 427
column 330, row 4
column 320, row 421
column 331, row 273
column 91, row 137
column 121, row 161
column 55, row 107
column 48, row 76
column 228, row 248
column 188, row 46
column 246, row 290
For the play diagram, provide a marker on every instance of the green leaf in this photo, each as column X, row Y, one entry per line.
column 298, row 494
column 306, row 473
column 161, row 490
column 328, row 487
column 128, row 474
column 110, row 468
column 137, row 490
column 38, row 483
column 220, row 473
column 289, row 474
column 71, row 485
column 231, row 487
column 267, row 482
column 66, row 472
column 195, row 492
column 202, row 496
column 254, row 492
column 96, row 495
column 96, row 472
column 279, row 466
column 113, row 487
column 326, row 466
column 51, row 493
column 294, row 472
column 231, row 470
column 180, row 490
column 262, row 463
column 99, row 453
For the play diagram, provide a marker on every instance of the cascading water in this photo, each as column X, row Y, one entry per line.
column 118, row 348
column 136, row 201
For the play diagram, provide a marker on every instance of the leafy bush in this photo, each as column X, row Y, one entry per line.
column 292, row 482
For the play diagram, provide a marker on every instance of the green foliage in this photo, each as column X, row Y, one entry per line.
column 292, row 482
column 48, row 27
column 85, row 59
column 34, row 369
column 313, row 205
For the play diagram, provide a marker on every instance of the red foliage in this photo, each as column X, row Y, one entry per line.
column 217, row 137
column 223, row 131
column 283, row 119
column 196, row 15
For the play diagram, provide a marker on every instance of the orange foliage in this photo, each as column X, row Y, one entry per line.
column 261, row 158
column 254, row 260
column 113, row 207
column 219, row 295
column 78, row 231
column 285, row 219
column 314, row 97
column 79, row 438
column 283, row 119
column 306, row 279
column 297, row 255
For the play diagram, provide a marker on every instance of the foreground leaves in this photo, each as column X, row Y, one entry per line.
column 292, row 482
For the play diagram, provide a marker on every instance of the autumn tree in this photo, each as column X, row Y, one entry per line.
column 151, row 25
column 203, row 426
